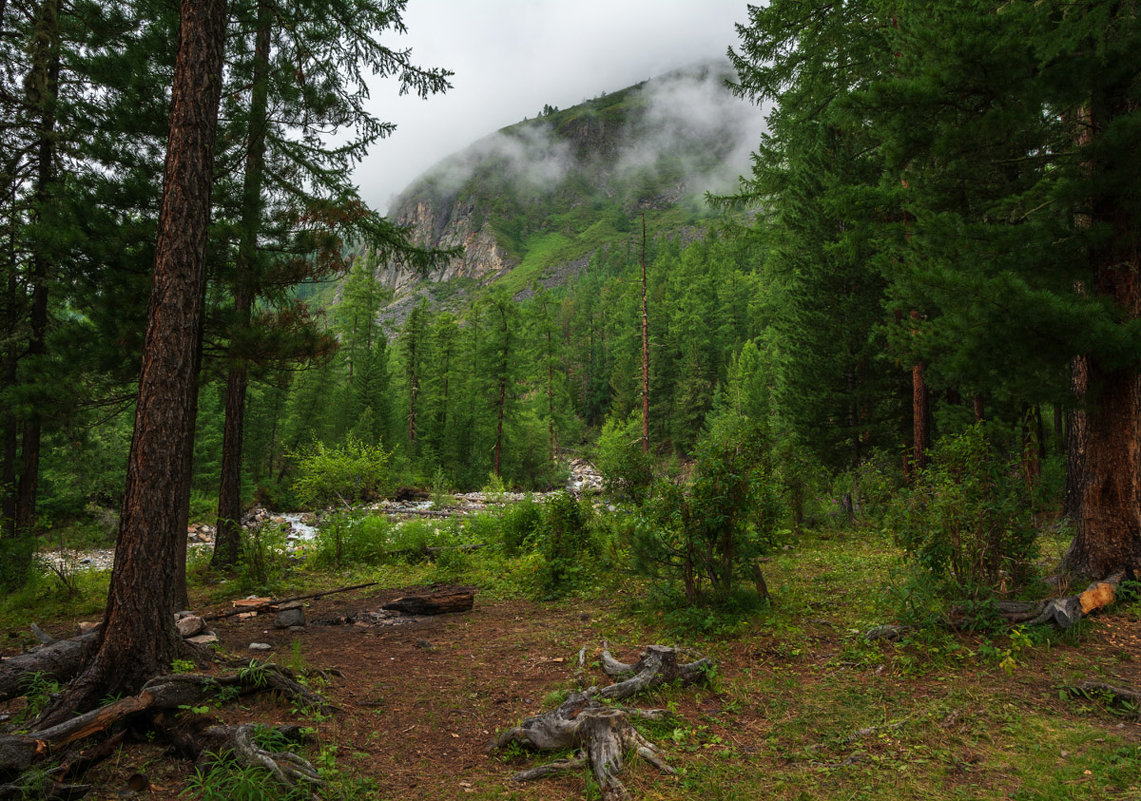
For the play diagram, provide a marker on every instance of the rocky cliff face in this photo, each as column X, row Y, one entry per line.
column 446, row 223
column 538, row 198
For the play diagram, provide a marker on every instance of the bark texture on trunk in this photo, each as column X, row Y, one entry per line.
column 1108, row 537
column 138, row 635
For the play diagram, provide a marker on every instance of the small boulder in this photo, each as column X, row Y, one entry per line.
column 189, row 626
column 260, row 646
column 287, row 618
column 206, row 638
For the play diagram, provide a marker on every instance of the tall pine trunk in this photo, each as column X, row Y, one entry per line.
column 227, row 539
column 1108, row 536
column 138, row 637
column 42, row 90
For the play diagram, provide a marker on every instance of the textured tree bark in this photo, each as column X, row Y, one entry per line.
column 1076, row 440
column 1108, row 536
column 138, row 636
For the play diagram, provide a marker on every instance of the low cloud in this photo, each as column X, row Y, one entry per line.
column 694, row 107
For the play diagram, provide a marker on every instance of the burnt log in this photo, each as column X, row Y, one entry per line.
column 437, row 603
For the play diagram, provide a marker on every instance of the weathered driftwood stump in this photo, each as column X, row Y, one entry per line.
column 601, row 733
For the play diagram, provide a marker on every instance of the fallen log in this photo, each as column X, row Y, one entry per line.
column 1124, row 697
column 601, row 732
column 59, row 661
column 437, row 603
column 1063, row 612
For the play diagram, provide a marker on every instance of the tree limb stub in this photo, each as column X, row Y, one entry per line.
column 601, row 733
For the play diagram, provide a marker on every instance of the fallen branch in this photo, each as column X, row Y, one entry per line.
column 273, row 603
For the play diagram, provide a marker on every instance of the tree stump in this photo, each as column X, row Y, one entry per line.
column 599, row 732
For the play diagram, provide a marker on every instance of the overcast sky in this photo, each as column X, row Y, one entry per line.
column 510, row 57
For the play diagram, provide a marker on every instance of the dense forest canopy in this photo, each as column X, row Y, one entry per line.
column 944, row 232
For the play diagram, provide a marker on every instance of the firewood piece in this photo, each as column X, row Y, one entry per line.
column 438, row 603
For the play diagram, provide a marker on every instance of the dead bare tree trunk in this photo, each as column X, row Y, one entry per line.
column 645, row 351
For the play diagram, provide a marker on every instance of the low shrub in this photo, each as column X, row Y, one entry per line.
column 966, row 523
column 349, row 473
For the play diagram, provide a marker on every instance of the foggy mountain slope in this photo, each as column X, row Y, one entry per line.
column 534, row 200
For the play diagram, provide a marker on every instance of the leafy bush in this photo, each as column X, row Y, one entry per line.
column 351, row 472
column 565, row 542
column 350, row 538
column 967, row 521
column 713, row 529
column 521, row 523
column 627, row 472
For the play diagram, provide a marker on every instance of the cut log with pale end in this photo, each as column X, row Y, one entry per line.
column 436, row 603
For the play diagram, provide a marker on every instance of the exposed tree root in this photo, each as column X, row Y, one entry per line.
column 1124, row 698
column 156, row 704
column 602, row 733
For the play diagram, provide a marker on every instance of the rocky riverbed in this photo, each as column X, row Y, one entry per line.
column 584, row 479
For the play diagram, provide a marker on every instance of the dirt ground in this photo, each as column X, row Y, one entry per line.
column 418, row 703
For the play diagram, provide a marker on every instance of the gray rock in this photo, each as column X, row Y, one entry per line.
column 260, row 646
column 189, row 626
column 203, row 639
column 289, row 617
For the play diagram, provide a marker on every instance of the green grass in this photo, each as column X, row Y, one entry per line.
column 800, row 706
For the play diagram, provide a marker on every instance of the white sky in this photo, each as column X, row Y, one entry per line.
column 510, row 57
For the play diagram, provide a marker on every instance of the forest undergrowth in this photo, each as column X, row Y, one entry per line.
column 801, row 704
